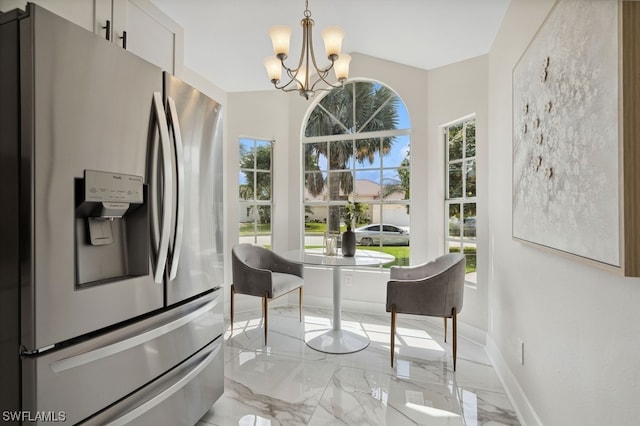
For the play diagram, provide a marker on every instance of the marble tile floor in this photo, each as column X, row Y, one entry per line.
column 288, row 383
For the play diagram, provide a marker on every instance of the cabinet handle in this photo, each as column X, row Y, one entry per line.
column 108, row 28
column 124, row 40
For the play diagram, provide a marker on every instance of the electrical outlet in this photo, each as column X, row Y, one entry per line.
column 520, row 351
column 348, row 280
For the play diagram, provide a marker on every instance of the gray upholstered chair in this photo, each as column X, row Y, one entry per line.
column 433, row 289
column 261, row 272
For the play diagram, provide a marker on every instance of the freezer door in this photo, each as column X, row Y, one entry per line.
column 179, row 398
column 196, row 249
column 86, row 105
column 83, row 379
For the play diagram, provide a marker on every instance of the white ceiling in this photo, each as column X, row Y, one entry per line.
column 226, row 41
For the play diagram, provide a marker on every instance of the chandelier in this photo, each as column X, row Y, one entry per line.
column 300, row 77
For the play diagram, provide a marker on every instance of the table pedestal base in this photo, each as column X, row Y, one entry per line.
column 338, row 342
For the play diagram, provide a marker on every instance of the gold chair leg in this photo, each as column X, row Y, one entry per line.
column 265, row 310
column 445, row 329
column 393, row 332
column 233, row 292
column 455, row 338
column 300, row 304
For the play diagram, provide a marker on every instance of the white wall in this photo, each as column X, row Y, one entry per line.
column 456, row 91
column 262, row 115
column 580, row 325
column 432, row 98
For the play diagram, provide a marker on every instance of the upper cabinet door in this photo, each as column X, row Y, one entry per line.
column 103, row 19
column 146, row 31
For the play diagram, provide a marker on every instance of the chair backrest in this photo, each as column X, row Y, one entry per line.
column 454, row 265
column 248, row 268
column 254, row 256
column 438, row 287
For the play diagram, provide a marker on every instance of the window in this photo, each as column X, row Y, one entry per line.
column 460, row 202
column 356, row 149
column 255, row 184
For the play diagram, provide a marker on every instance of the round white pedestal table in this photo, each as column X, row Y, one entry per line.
column 338, row 340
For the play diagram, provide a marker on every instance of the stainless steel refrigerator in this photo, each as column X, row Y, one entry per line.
column 111, row 222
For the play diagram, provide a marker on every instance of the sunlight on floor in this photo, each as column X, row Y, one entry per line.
column 430, row 411
column 251, row 420
column 287, row 382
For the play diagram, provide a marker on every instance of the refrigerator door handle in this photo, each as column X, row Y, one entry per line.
column 179, row 152
column 166, row 393
column 167, row 201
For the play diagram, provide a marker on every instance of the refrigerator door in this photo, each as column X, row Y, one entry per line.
column 84, row 378
column 179, row 398
column 196, row 248
column 86, row 105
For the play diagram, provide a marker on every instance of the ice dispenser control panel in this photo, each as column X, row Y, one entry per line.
column 106, row 187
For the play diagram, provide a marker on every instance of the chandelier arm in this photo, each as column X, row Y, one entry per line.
column 292, row 73
column 285, row 87
column 322, row 78
column 307, row 43
column 291, row 81
column 315, row 64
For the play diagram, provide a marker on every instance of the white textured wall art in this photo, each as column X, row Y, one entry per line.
column 566, row 133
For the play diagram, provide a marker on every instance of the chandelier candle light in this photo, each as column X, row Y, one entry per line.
column 300, row 77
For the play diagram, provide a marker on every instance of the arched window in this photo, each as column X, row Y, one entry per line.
column 356, row 150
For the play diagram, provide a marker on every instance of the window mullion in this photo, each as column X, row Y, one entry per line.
column 464, row 163
column 368, row 179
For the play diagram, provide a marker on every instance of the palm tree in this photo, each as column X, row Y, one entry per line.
column 355, row 108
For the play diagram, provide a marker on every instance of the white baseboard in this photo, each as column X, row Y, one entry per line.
column 524, row 409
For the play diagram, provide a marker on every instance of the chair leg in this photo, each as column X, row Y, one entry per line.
column 393, row 332
column 445, row 329
column 455, row 338
column 265, row 311
column 233, row 292
column 300, row 304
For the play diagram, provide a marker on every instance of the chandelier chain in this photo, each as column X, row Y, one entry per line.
column 307, row 12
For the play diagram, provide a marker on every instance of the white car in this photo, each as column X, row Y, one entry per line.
column 371, row 235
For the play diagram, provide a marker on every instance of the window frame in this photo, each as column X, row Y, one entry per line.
column 462, row 241
column 352, row 136
column 254, row 202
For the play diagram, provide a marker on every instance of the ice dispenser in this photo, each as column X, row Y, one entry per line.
column 112, row 227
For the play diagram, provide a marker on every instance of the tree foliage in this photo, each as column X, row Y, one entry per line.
column 251, row 160
column 358, row 107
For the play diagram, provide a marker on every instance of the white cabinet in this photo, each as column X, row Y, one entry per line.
column 143, row 29
column 137, row 25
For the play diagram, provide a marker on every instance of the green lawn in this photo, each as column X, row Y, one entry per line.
column 247, row 228
column 314, row 227
column 470, row 252
column 401, row 253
